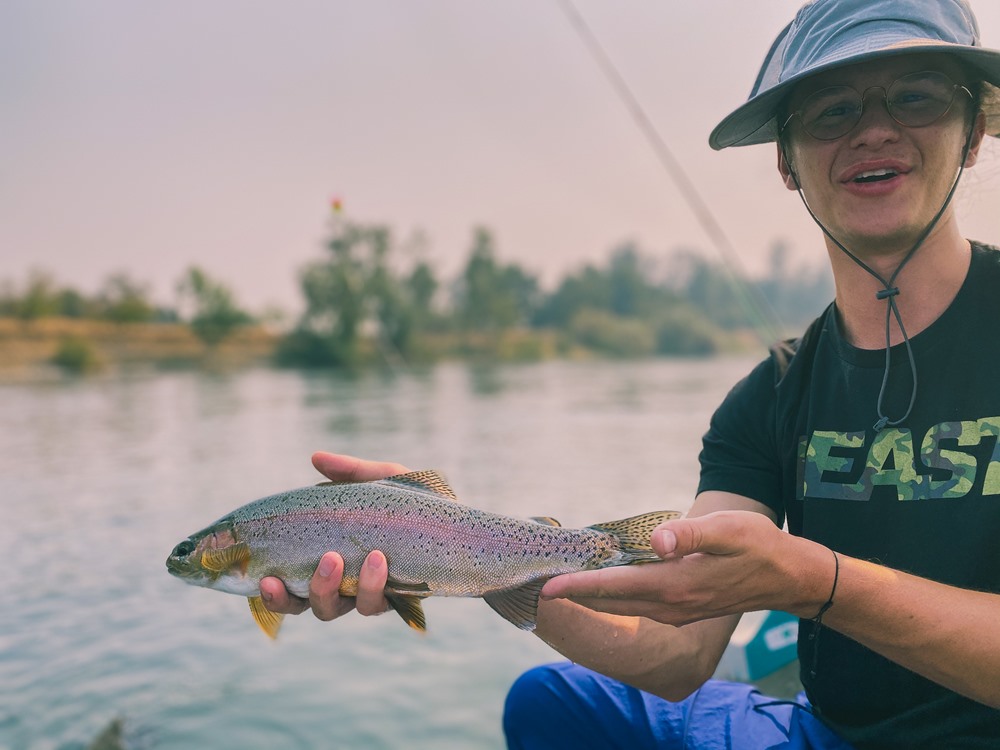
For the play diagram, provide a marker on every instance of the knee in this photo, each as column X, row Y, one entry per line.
column 535, row 704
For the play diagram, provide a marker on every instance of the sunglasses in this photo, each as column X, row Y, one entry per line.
column 914, row 100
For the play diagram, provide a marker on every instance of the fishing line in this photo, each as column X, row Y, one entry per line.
column 767, row 322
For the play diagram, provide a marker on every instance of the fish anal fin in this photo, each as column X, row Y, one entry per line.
column 224, row 558
column 269, row 622
column 634, row 533
column 410, row 609
column 545, row 520
column 518, row 606
column 427, row 481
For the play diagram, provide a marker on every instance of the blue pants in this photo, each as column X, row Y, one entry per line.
column 567, row 706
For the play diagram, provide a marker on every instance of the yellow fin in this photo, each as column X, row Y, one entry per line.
column 409, row 609
column 633, row 533
column 221, row 560
column 428, row 481
column 545, row 520
column 269, row 622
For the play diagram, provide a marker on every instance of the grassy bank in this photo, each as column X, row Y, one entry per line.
column 87, row 345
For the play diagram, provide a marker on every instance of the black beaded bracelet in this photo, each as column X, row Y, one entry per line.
column 817, row 621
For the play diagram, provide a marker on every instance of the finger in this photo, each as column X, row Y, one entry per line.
column 371, row 585
column 340, row 468
column 324, row 588
column 277, row 599
column 589, row 583
column 718, row 533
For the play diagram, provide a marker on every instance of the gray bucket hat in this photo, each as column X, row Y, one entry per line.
column 828, row 34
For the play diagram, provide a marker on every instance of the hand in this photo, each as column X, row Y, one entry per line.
column 325, row 599
column 719, row 564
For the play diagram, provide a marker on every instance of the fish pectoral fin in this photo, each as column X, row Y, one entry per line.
column 545, row 520
column 221, row 560
column 269, row 622
column 410, row 609
column 634, row 533
column 518, row 606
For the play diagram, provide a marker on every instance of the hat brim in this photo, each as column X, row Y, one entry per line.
column 754, row 122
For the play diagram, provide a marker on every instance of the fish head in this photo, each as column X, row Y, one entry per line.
column 213, row 558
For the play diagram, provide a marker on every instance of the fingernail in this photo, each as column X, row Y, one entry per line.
column 374, row 562
column 266, row 596
column 667, row 540
column 325, row 566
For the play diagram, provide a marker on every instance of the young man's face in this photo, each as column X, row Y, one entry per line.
column 880, row 185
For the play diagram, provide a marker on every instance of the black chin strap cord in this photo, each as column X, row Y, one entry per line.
column 889, row 291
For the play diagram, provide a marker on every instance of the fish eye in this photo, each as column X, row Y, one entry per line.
column 184, row 549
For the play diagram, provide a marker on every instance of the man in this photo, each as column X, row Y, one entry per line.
column 874, row 436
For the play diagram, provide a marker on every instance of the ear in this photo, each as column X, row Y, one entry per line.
column 978, row 132
column 785, row 170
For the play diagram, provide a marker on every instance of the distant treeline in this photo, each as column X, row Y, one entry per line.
column 367, row 299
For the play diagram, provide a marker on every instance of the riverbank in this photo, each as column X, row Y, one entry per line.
column 95, row 344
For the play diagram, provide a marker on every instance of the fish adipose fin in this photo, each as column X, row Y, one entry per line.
column 518, row 606
column 545, row 520
column 634, row 533
column 269, row 622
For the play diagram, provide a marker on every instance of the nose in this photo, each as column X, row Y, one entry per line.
column 876, row 125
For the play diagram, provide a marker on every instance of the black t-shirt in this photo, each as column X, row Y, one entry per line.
column 798, row 435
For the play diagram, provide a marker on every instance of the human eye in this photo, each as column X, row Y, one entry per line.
column 830, row 106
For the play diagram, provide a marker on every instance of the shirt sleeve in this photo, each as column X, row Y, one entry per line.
column 739, row 452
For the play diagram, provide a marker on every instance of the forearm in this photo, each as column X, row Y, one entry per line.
column 661, row 659
column 946, row 634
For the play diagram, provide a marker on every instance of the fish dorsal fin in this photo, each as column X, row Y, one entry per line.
column 545, row 520
column 634, row 533
column 221, row 560
column 269, row 622
column 426, row 481
column 518, row 606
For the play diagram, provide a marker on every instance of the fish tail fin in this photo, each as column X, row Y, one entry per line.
column 518, row 606
column 634, row 534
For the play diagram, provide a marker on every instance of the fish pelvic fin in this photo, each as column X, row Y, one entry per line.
column 269, row 622
column 519, row 605
column 634, row 534
column 410, row 609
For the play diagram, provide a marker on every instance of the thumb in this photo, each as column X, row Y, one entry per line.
column 709, row 534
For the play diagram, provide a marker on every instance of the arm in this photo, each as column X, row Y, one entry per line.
column 731, row 561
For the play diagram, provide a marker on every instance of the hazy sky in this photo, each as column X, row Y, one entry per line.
column 148, row 136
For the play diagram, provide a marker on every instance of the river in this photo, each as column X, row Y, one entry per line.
column 100, row 477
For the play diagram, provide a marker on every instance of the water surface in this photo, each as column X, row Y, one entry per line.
column 101, row 477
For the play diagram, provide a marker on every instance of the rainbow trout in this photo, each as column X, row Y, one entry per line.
column 434, row 546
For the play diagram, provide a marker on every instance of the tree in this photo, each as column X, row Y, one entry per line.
column 356, row 295
column 215, row 314
column 490, row 297
column 125, row 300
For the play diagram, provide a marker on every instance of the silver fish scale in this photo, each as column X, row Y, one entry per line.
column 453, row 549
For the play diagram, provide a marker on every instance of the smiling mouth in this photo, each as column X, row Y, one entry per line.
column 875, row 175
